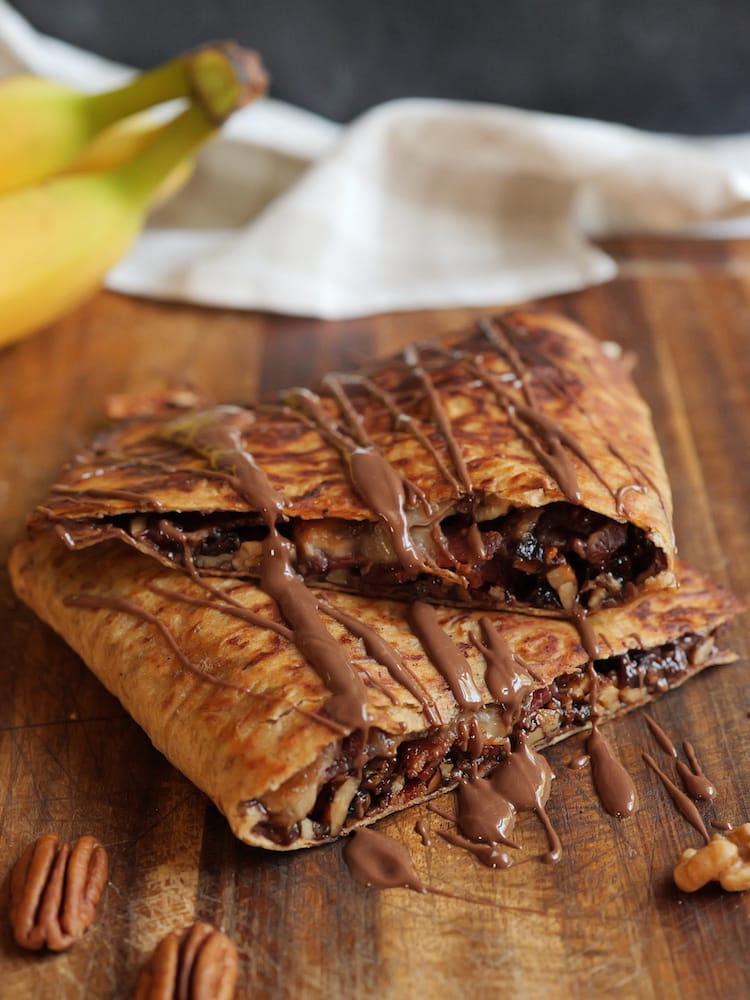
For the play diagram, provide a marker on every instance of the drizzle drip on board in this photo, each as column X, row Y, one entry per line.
column 613, row 784
column 483, row 813
column 524, row 778
column 694, row 781
column 379, row 861
column 422, row 829
column 684, row 805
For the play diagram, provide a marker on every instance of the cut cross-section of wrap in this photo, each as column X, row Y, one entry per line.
column 417, row 695
column 512, row 466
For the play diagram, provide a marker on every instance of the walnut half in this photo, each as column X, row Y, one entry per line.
column 55, row 891
column 725, row 859
column 198, row 963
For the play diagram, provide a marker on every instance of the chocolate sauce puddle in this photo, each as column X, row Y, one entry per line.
column 484, row 814
column 721, row 824
column 378, row 861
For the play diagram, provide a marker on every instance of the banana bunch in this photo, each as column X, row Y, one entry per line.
column 78, row 172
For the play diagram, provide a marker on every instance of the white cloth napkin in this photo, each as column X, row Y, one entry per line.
column 418, row 203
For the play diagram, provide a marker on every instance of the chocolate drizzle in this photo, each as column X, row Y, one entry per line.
column 140, row 497
column 402, row 420
column 546, row 439
column 387, row 494
column 378, row 649
column 225, row 607
column 444, row 654
column 103, row 602
column 612, row 783
column 440, row 417
column 298, row 606
column 217, row 435
column 373, row 478
column 508, row 680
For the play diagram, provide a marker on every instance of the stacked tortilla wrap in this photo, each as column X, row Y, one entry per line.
column 335, row 604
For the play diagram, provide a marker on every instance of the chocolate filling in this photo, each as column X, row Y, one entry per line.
column 440, row 757
column 553, row 557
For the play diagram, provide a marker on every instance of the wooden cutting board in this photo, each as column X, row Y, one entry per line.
column 607, row 920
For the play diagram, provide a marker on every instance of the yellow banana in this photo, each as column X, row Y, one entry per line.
column 122, row 142
column 44, row 125
column 58, row 238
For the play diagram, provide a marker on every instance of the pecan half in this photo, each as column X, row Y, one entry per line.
column 199, row 963
column 55, row 891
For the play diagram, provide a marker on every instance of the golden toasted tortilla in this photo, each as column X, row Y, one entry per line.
column 512, row 466
column 271, row 734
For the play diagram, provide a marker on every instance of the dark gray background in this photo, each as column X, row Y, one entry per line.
column 665, row 64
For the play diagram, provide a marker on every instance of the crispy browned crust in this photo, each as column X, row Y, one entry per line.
column 582, row 388
column 242, row 722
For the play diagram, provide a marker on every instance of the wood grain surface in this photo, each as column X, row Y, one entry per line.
column 607, row 920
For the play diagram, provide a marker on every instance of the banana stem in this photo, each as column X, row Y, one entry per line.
column 165, row 83
column 184, row 135
column 221, row 77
